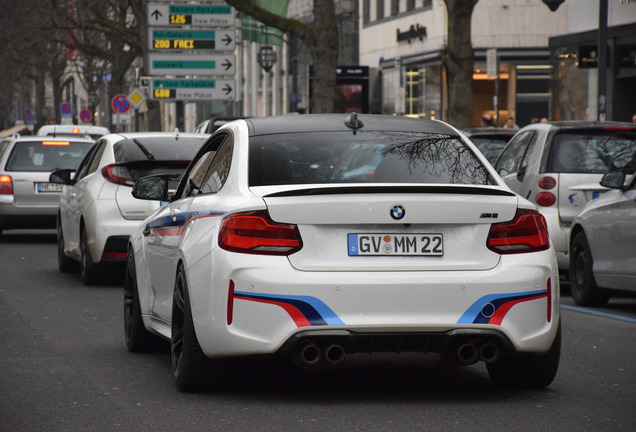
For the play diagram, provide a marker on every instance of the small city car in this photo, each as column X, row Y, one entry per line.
column 603, row 242
column 490, row 141
column 559, row 166
column 27, row 198
column 269, row 247
column 65, row 130
column 97, row 212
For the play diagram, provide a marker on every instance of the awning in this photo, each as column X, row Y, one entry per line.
column 13, row 130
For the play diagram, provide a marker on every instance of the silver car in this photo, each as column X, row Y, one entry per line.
column 27, row 198
column 559, row 165
column 603, row 243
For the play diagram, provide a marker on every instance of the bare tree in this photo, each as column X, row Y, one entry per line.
column 320, row 37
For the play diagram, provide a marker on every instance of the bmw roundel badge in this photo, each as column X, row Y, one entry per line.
column 397, row 212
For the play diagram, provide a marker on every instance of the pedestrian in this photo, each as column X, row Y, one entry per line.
column 534, row 120
column 510, row 123
column 487, row 120
column 634, row 118
column 544, row 120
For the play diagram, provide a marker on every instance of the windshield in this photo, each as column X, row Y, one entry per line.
column 381, row 157
column 43, row 156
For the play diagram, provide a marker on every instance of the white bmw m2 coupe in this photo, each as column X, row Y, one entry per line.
column 321, row 236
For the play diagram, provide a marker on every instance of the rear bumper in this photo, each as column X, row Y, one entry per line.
column 515, row 304
column 14, row 216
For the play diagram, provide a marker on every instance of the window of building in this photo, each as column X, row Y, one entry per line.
column 395, row 7
column 379, row 11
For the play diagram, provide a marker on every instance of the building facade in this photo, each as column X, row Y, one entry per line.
column 515, row 69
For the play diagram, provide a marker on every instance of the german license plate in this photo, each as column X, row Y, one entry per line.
column 49, row 187
column 396, row 244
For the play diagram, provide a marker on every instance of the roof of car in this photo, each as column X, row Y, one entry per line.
column 143, row 135
column 584, row 124
column 490, row 131
column 31, row 138
column 336, row 122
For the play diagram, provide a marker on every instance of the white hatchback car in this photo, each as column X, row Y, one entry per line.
column 27, row 198
column 97, row 212
column 270, row 247
column 603, row 242
column 559, row 166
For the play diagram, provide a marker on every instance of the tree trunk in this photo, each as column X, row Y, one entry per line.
column 324, row 50
column 459, row 58
column 321, row 37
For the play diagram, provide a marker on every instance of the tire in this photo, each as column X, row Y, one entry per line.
column 192, row 370
column 88, row 271
column 138, row 339
column 64, row 263
column 527, row 371
column 583, row 287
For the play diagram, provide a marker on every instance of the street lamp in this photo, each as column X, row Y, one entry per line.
column 266, row 56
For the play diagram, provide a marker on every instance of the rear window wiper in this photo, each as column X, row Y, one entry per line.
column 147, row 152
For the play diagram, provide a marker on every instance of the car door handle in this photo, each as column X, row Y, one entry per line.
column 174, row 213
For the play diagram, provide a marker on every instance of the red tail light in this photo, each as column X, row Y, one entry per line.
column 547, row 182
column 545, row 199
column 6, row 185
column 118, row 174
column 527, row 232
column 256, row 233
column 56, row 143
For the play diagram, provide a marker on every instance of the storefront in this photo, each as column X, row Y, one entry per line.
column 415, row 86
column 575, row 76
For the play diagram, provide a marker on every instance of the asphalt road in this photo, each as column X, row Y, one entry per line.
column 64, row 367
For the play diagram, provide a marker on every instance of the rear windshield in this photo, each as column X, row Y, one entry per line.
column 157, row 149
column 43, row 156
column 382, row 157
column 594, row 151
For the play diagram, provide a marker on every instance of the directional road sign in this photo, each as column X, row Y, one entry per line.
column 160, row 39
column 193, row 90
column 162, row 14
column 191, row 64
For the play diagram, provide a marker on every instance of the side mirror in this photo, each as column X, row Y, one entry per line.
column 614, row 180
column 62, row 176
column 153, row 188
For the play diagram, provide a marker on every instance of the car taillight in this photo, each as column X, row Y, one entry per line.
column 118, row 174
column 545, row 199
column 6, row 185
column 256, row 233
column 547, row 182
column 527, row 232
